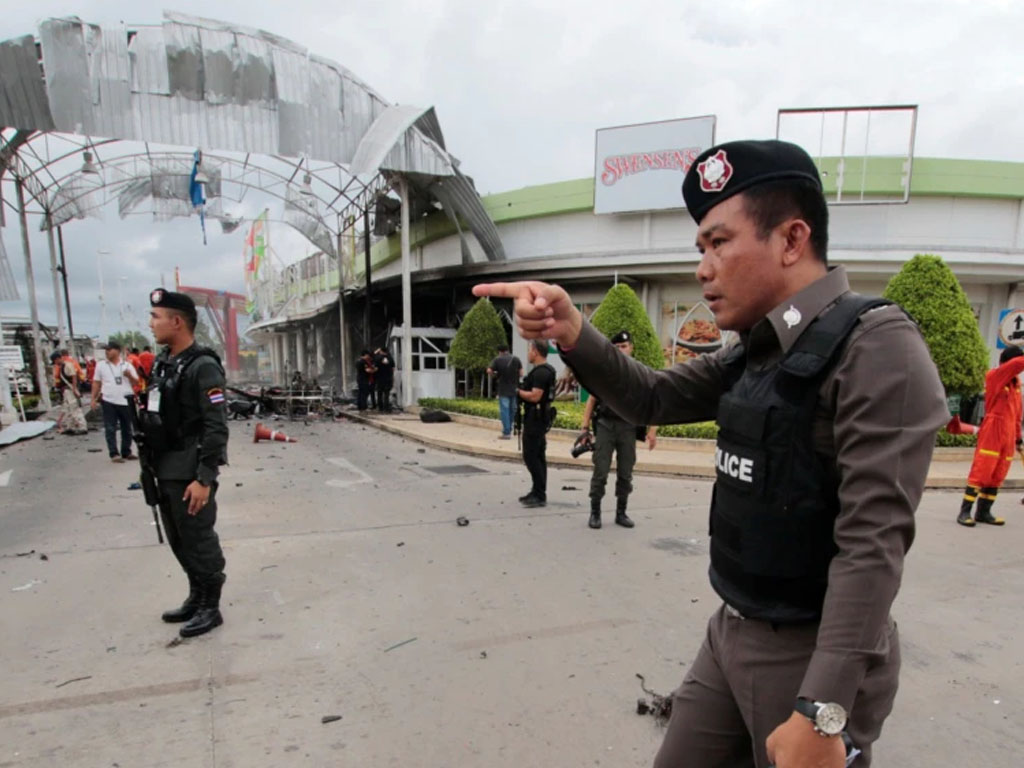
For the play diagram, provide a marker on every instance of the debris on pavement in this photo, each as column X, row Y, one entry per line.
column 268, row 567
column 483, row 654
column 178, row 641
column 25, row 554
column 400, row 544
column 399, row 645
column 569, row 488
column 43, row 557
column 95, row 450
column 24, row 587
column 660, row 707
column 135, row 487
column 329, row 719
column 74, row 680
column 424, row 450
column 461, row 522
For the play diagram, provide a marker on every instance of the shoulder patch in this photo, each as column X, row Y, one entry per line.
column 216, row 395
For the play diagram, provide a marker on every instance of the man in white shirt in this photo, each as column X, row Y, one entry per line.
column 112, row 381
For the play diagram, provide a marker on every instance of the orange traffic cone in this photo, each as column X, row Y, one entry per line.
column 262, row 433
column 957, row 427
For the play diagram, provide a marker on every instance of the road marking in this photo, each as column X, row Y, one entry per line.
column 361, row 477
column 5, row 478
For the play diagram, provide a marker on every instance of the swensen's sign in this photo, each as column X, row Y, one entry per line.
column 641, row 167
column 619, row 166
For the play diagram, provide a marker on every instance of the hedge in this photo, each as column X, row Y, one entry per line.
column 570, row 416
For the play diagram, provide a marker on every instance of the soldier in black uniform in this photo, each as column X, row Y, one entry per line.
column 186, row 433
column 536, row 393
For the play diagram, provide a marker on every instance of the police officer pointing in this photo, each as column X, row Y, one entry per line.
column 827, row 412
column 185, row 430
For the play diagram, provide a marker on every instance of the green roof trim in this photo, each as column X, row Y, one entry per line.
column 931, row 177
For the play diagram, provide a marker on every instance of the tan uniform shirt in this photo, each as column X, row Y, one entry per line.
column 878, row 411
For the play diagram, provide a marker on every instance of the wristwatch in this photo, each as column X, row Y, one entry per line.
column 828, row 719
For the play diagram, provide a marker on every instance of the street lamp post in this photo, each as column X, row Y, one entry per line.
column 103, row 302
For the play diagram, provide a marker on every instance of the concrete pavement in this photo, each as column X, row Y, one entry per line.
column 351, row 591
column 674, row 457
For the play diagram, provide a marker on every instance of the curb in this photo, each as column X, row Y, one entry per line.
column 562, row 436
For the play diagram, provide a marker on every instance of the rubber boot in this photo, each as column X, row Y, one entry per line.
column 595, row 514
column 207, row 614
column 620, row 514
column 984, row 513
column 188, row 608
column 964, row 518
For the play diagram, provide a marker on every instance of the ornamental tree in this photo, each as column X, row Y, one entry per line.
column 930, row 293
column 476, row 342
column 621, row 310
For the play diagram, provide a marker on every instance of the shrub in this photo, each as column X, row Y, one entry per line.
column 621, row 310
column 476, row 342
column 930, row 293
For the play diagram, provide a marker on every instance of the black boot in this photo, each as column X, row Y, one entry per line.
column 620, row 515
column 595, row 513
column 964, row 518
column 986, row 498
column 188, row 608
column 207, row 614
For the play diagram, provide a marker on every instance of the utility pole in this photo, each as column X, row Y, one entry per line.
column 103, row 301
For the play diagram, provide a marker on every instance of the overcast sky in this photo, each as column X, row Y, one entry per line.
column 520, row 88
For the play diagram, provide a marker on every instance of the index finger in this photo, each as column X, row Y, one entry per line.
column 503, row 290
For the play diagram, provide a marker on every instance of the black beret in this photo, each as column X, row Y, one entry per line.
column 727, row 169
column 171, row 300
column 55, row 357
column 622, row 337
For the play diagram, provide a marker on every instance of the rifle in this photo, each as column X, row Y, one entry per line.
column 147, row 477
column 517, row 423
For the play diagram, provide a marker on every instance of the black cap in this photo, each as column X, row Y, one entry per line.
column 622, row 337
column 112, row 344
column 55, row 357
column 727, row 169
column 171, row 300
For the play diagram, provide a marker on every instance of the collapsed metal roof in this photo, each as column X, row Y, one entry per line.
column 201, row 83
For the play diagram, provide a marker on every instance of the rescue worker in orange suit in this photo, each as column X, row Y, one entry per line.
column 998, row 437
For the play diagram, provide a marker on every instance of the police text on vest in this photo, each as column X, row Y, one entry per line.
column 734, row 466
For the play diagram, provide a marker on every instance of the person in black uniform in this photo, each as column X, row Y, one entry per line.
column 385, row 376
column 364, row 370
column 536, row 394
column 186, row 432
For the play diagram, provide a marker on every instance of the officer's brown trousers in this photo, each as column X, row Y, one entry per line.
column 743, row 684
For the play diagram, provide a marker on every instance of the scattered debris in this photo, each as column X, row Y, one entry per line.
column 259, row 469
column 569, row 488
column 74, row 680
column 178, row 641
column 111, row 648
column 399, row 645
column 238, row 485
column 43, row 557
column 400, row 544
column 461, row 522
column 135, row 487
column 421, row 450
column 268, row 567
column 694, row 599
column 24, row 587
column 483, row 654
column 95, row 450
column 25, row 554
column 660, row 707
column 48, row 437
column 329, row 719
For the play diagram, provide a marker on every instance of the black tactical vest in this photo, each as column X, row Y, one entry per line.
column 166, row 430
column 775, row 498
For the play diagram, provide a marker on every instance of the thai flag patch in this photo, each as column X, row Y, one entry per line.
column 216, row 396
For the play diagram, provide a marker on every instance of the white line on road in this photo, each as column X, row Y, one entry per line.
column 361, row 477
column 5, row 478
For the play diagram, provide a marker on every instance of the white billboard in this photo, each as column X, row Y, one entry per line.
column 641, row 167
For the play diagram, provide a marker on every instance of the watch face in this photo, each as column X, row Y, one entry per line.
column 831, row 719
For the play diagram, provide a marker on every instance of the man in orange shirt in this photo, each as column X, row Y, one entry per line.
column 133, row 357
column 146, row 358
column 998, row 437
